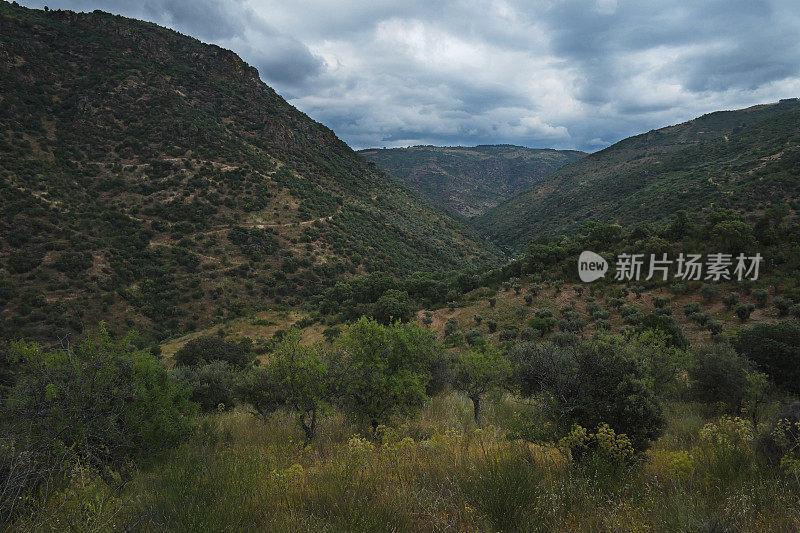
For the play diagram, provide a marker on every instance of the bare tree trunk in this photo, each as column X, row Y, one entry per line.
column 309, row 428
column 476, row 408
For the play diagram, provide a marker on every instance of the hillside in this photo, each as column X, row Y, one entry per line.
column 745, row 160
column 469, row 180
column 153, row 181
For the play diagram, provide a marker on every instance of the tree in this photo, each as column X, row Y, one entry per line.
column 775, row 350
column 480, row 370
column 203, row 350
column 297, row 377
column 302, row 373
column 381, row 371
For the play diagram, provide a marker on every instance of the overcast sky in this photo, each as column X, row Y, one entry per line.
column 572, row 74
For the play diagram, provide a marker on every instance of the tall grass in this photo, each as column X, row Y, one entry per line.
column 437, row 472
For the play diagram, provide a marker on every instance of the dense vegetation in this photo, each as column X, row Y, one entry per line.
column 383, row 427
column 339, row 355
column 154, row 181
column 469, row 180
column 745, row 160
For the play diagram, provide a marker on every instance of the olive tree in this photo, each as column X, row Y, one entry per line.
column 480, row 370
column 381, row 371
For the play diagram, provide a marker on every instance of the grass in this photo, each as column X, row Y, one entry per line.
column 436, row 472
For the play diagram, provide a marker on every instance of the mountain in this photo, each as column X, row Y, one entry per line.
column 469, row 180
column 153, row 181
column 745, row 160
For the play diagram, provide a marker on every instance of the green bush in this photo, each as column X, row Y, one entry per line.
column 782, row 305
column 761, row 296
column 543, row 324
column 743, row 311
column 719, row 374
column 451, row 327
column 775, row 350
column 691, row 308
column 709, row 292
column 203, row 350
column 730, row 300
column 101, row 402
column 393, row 305
column 605, row 380
column 213, row 385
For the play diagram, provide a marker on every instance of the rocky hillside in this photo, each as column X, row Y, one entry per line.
column 746, row 160
column 470, row 180
column 149, row 176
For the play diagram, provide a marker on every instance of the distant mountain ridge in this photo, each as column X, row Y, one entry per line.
column 153, row 181
column 746, row 160
column 469, row 180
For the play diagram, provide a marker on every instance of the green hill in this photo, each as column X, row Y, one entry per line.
column 745, row 160
column 153, row 181
column 469, row 180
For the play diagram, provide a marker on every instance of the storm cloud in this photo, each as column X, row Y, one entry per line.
column 563, row 74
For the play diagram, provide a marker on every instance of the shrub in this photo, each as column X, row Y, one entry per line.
column 473, row 335
column 701, row 318
column 709, row 292
column 761, row 296
column 691, row 308
column 660, row 302
column 604, row 442
column 719, row 374
column 616, row 303
column 743, row 311
column 492, row 325
column 715, row 327
column 451, row 327
column 72, row 262
column 508, row 334
column 393, row 305
column 101, row 402
column 203, row 350
column 775, row 350
column 572, row 325
column 603, row 380
column 730, row 300
column 782, row 305
column 564, row 338
column 529, row 334
column 543, row 324
column 213, row 385
column 602, row 324
column 782, row 442
column 664, row 325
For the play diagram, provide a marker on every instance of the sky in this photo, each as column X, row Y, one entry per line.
column 544, row 74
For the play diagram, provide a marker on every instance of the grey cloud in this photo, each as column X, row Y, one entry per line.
column 280, row 58
column 567, row 74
